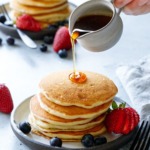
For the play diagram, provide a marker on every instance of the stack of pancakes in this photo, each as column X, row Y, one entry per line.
column 69, row 110
column 45, row 11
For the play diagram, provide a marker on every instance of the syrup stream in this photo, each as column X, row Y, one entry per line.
column 77, row 77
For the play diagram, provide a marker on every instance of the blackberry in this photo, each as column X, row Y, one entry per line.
column 43, row 48
column 62, row 53
column 10, row 40
column 56, row 142
column 25, row 127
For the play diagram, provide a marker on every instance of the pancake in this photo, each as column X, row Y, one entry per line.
column 70, row 135
column 42, row 115
column 32, row 10
column 72, row 112
column 45, row 12
column 97, row 90
column 43, row 3
column 48, row 18
column 51, row 127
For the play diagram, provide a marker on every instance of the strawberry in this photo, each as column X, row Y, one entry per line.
column 6, row 102
column 62, row 39
column 121, row 120
column 27, row 22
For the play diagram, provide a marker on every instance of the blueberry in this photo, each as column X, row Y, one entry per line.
column 48, row 39
column 25, row 127
column 56, row 142
column 100, row 140
column 10, row 40
column 0, row 41
column 2, row 18
column 87, row 140
column 43, row 48
column 62, row 53
column 62, row 23
column 53, row 27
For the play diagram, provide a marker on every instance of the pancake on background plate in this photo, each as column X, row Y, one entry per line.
column 45, row 12
column 69, row 110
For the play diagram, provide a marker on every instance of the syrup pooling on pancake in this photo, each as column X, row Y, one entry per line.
column 68, row 110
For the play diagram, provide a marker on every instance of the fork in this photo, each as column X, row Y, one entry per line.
column 142, row 138
column 26, row 39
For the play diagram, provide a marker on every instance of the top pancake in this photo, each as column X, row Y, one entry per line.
column 43, row 3
column 46, row 12
column 95, row 91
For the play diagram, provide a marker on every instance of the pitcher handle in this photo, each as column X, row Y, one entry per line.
column 119, row 9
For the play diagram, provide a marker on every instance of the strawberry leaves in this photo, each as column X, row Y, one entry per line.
column 116, row 106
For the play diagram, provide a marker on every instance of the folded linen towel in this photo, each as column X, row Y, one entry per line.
column 135, row 78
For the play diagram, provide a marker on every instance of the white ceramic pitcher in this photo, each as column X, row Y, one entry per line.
column 105, row 37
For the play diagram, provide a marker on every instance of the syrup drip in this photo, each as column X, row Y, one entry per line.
column 75, row 76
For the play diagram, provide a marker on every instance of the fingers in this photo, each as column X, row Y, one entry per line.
column 134, row 8
column 121, row 3
column 139, row 10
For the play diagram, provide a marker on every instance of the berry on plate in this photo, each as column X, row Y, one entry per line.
column 121, row 120
column 56, row 142
column 25, row 127
column 100, row 140
column 88, row 140
column 6, row 102
column 62, row 39
column 48, row 39
column 27, row 22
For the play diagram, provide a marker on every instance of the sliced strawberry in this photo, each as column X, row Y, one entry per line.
column 126, row 128
column 132, row 124
column 114, row 121
column 27, row 22
column 120, row 121
column 62, row 39
column 136, row 117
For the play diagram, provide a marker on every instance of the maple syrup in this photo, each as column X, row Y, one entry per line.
column 91, row 22
column 75, row 76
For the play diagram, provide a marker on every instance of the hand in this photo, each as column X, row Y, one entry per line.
column 133, row 7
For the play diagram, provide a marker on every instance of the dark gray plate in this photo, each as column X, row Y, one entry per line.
column 39, row 143
column 11, row 31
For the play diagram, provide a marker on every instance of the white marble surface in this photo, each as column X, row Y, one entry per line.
column 21, row 68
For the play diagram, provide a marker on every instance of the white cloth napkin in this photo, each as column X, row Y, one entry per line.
column 135, row 78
